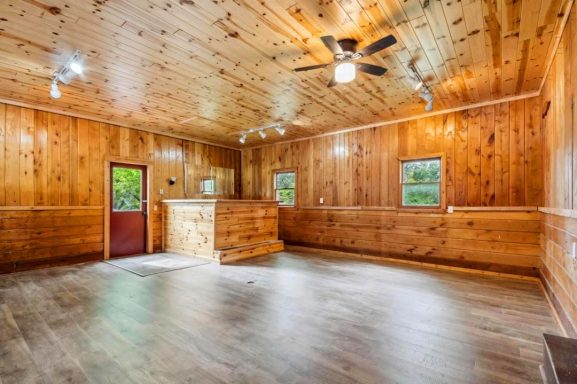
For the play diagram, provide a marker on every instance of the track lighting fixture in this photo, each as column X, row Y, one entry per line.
column 427, row 96
column 67, row 72
column 418, row 84
column 414, row 78
column 54, row 91
column 262, row 131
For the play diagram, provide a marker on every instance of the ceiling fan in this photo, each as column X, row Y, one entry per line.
column 345, row 52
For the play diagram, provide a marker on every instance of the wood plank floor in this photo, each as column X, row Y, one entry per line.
column 303, row 319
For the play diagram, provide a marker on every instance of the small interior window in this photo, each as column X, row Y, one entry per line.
column 421, row 182
column 284, row 185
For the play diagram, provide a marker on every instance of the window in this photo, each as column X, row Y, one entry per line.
column 284, row 187
column 126, row 189
column 208, row 185
column 421, row 182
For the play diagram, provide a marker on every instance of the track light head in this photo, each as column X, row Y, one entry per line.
column 426, row 95
column 280, row 130
column 416, row 84
column 414, row 78
column 54, row 90
column 429, row 106
column 262, row 134
column 242, row 138
column 75, row 63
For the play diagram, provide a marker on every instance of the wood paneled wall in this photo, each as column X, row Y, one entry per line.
column 44, row 237
column 559, row 271
column 493, row 158
column 504, row 242
column 51, row 160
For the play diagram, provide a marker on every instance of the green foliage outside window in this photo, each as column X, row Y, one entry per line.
column 421, row 182
column 285, row 188
column 126, row 189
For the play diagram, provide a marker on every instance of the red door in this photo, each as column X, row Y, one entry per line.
column 128, row 207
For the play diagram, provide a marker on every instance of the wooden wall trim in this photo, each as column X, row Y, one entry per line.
column 456, row 209
column 51, row 208
column 559, row 211
column 497, row 209
column 112, row 122
column 556, row 44
column 404, row 120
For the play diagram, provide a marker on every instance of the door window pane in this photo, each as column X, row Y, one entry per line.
column 126, row 189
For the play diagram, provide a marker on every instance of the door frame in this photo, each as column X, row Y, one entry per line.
column 149, row 172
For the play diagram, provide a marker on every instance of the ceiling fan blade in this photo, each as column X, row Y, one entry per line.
column 378, row 45
column 331, row 43
column 371, row 69
column 332, row 82
column 310, row 67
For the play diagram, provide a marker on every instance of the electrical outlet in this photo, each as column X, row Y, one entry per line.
column 322, row 200
column 161, row 191
column 574, row 251
column 450, row 209
column 155, row 207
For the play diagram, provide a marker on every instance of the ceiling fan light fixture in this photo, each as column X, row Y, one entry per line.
column 54, row 90
column 345, row 72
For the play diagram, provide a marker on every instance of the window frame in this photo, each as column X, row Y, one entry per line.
column 205, row 178
column 442, row 188
column 275, row 172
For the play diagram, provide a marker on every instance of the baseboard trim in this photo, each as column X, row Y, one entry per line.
column 560, row 315
column 358, row 255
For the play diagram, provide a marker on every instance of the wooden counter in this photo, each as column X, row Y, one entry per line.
column 221, row 230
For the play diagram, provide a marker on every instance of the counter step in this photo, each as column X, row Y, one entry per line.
column 230, row 255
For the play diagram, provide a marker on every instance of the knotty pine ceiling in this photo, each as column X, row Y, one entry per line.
column 210, row 69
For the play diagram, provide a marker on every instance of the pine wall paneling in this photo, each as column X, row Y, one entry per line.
column 54, row 166
column 493, row 159
column 559, row 229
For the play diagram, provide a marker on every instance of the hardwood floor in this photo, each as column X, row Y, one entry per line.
column 284, row 318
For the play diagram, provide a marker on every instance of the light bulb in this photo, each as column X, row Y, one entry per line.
column 280, row 130
column 262, row 134
column 54, row 91
column 76, row 67
column 345, row 72
column 243, row 139
column 429, row 106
